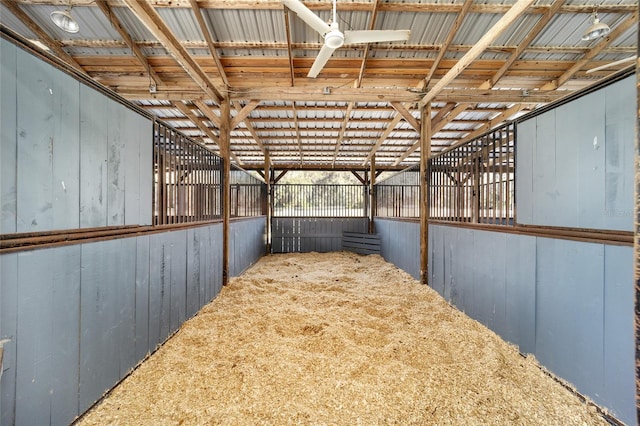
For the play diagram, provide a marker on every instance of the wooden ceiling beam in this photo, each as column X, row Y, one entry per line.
column 408, row 117
column 207, row 37
column 184, row 109
column 53, row 45
column 531, row 35
column 244, row 113
column 382, row 138
column 499, row 27
column 154, row 23
column 445, row 46
column 609, row 38
column 445, row 116
column 343, row 127
column 357, row 6
column 115, row 23
column 252, row 131
column 208, row 112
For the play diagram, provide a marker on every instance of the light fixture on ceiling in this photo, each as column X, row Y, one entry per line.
column 65, row 21
column 596, row 30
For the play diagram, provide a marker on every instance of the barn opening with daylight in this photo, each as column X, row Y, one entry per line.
column 310, row 212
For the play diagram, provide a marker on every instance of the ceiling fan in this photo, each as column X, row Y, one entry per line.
column 334, row 38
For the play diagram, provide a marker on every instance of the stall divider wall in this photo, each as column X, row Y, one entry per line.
column 80, row 316
column 568, row 302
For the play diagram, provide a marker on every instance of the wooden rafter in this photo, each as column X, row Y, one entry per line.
column 208, row 112
column 544, row 20
column 445, row 46
column 297, row 130
column 507, row 19
column 244, row 112
column 53, row 45
column 343, row 129
column 382, row 138
column 408, row 117
column 117, row 25
column 287, row 27
column 154, row 23
column 207, row 36
column 253, row 133
column 614, row 34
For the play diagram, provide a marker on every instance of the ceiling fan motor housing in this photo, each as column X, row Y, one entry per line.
column 334, row 38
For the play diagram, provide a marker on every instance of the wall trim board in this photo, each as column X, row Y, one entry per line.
column 10, row 243
column 623, row 238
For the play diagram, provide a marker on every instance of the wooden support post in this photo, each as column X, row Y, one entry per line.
column 636, row 244
column 425, row 153
column 267, row 201
column 225, row 152
column 372, row 195
column 365, row 191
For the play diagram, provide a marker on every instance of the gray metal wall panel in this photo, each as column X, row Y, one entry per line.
column 8, row 330
column 8, row 136
column 216, row 255
column 47, row 336
column 108, row 277
column 619, row 349
column 525, row 148
column 116, row 136
column 48, row 147
column 399, row 243
column 545, row 164
column 143, row 250
column 159, row 290
column 93, row 158
column 248, row 243
column 437, row 258
column 619, row 134
column 178, row 279
column 521, row 291
column 570, row 311
column 582, row 162
column 145, row 171
column 194, row 270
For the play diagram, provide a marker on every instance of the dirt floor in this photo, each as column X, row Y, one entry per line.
column 336, row 338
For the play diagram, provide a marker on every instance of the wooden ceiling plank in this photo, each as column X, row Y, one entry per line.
column 507, row 19
column 445, row 46
column 154, row 23
column 244, row 112
column 614, row 34
column 42, row 35
column 207, row 36
column 115, row 23
column 540, row 25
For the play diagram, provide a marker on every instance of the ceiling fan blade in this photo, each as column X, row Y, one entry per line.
column 372, row 36
column 321, row 60
column 308, row 16
column 612, row 64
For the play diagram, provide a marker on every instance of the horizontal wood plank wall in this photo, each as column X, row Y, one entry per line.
column 303, row 235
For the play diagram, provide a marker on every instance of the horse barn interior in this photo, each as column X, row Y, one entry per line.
column 145, row 211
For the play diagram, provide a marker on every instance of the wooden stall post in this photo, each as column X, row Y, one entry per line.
column 372, row 195
column 425, row 153
column 267, row 201
column 225, row 152
column 636, row 242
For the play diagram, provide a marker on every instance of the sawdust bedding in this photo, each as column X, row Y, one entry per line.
column 336, row 338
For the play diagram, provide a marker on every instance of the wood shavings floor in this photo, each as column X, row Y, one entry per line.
column 342, row 339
